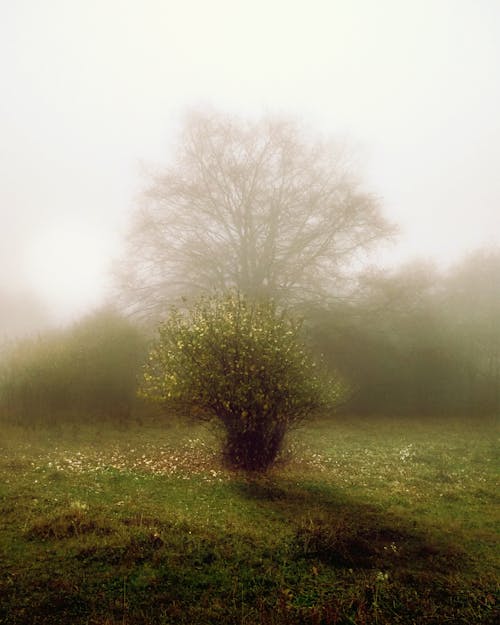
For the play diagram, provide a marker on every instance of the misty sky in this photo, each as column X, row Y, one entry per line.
column 93, row 90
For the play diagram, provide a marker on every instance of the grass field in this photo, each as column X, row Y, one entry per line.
column 363, row 521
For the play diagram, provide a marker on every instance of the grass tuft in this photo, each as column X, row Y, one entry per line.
column 71, row 522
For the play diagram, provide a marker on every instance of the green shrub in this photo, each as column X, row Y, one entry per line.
column 242, row 364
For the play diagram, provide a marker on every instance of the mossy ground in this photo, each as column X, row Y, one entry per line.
column 362, row 521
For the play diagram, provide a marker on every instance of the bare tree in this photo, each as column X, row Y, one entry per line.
column 255, row 206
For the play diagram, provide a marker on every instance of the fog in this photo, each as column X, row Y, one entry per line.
column 93, row 94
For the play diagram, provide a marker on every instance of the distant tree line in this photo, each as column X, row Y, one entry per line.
column 86, row 372
column 417, row 342
column 414, row 342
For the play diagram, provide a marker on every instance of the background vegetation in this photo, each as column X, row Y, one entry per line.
column 275, row 213
column 419, row 342
column 83, row 373
column 415, row 342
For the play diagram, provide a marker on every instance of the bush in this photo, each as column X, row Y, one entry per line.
column 242, row 364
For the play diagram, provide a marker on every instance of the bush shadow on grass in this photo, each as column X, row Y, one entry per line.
column 381, row 567
column 331, row 528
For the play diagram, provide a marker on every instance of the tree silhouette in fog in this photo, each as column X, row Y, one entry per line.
column 257, row 206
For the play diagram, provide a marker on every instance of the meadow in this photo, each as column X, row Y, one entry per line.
column 362, row 521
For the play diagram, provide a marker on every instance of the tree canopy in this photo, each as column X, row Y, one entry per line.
column 257, row 206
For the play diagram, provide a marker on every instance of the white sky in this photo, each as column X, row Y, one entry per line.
column 90, row 89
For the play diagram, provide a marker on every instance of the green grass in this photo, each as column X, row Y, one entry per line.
column 382, row 521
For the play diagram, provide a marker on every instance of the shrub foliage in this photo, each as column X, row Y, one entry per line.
column 241, row 363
